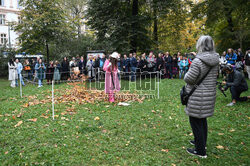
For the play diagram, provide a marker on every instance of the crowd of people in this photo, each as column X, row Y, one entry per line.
column 130, row 66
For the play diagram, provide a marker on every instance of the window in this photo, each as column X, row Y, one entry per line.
column 19, row 19
column 3, row 39
column 18, row 4
column 2, row 19
column 1, row 2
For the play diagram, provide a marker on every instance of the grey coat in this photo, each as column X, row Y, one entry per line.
column 201, row 103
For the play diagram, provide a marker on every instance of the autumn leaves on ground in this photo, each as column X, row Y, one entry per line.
column 87, row 132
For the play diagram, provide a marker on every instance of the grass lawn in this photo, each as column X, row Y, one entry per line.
column 155, row 132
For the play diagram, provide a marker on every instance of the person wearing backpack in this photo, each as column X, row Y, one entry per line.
column 201, row 102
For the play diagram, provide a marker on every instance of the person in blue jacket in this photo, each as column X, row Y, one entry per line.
column 133, row 66
column 183, row 66
column 19, row 72
column 126, row 63
column 231, row 57
column 40, row 69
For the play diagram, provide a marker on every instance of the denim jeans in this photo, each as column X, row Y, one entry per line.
column 40, row 82
column 182, row 72
column 21, row 78
column 133, row 71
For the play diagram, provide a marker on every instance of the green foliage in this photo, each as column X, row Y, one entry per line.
column 73, row 47
column 75, row 13
column 227, row 21
column 43, row 22
column 157, row 25
column 116, row 26
column 5, row 54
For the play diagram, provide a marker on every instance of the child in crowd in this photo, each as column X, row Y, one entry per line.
column 183, row 66
column 112, row 83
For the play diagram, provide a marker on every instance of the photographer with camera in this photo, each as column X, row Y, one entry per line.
column 237, row 84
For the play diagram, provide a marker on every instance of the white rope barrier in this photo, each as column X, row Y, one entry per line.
column 53, row 111
column 21, row 91
column 158, row 84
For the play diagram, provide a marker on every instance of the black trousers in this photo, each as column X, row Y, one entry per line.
column 236, row 91
column 169, row 71
column 199, row 128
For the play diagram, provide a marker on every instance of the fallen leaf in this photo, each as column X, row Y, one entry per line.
column 164, row 150
column 232, row 130
column 19, row 115
column 1, row 115
column 25, row 105
column 197, row 161
column 43, row 116
column 33, row 120
column 191, row 134
column 13, row 117
column 97, row 118
column 63, row 113
column 6, row 152
column 219, row 147
column 19, row 123
column 220, row 133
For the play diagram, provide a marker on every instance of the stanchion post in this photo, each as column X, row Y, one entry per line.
column 98, row 70
column 158, row 84
column 53, row 112
column 21, row 91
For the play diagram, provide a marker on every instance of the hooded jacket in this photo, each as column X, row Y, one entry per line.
column 201, row 103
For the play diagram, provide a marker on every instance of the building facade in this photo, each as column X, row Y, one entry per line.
column 9, row 14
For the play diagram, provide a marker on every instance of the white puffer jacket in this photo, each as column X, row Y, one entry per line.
column 201, row 103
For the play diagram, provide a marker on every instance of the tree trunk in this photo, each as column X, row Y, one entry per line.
column 47, row 49
column 155, row 31
column 135, row 9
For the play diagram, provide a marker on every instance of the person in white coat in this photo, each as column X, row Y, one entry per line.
column 12, row 72
column 90, row 67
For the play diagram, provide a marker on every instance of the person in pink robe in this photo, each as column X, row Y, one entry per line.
column 110, row 66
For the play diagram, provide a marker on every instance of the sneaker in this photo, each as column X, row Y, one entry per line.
column 192, row 142
column 230, row 104
column 194, row 152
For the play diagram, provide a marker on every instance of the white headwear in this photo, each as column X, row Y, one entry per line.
column 114, row 55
